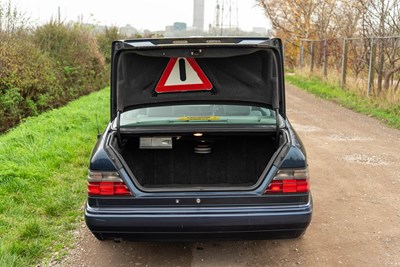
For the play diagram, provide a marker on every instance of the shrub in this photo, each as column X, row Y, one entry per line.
column 105, row 39
column 46, row 68
column 75, row 51
column 28, row 81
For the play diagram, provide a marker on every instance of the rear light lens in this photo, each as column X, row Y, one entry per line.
column 106, row 184
column 289, row 181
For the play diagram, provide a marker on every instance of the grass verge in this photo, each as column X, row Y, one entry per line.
column 43, row 168
column 375, row 107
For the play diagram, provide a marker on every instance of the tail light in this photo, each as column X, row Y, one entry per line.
column 106, row 184
column 289, row 181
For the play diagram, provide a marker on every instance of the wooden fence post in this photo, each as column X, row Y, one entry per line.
column 312, row 57
column 325, row 60
column 344, row 63
column 371, row 73
column 301, row 54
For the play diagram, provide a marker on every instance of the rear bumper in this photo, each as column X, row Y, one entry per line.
column 200, row 223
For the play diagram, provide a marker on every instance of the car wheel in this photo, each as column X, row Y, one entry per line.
column 99, row 236
column 297, row 234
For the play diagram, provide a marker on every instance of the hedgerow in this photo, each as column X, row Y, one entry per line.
column 47, row 66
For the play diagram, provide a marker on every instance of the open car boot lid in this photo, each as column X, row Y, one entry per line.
column 156, row 72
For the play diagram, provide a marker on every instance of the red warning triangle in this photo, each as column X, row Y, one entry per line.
column 181, row 75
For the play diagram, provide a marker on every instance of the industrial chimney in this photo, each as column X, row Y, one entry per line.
column 198, row 14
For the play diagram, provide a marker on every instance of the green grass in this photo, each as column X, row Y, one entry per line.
column 43, row 168
column 375, row 107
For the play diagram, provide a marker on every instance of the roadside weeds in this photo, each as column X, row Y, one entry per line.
column 44, row 164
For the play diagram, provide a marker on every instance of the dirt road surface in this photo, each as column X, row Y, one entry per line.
column 355, row 177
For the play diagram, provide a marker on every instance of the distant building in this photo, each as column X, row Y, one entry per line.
column 179, row 27
column 260, row 30
column 128, row 30
column 169, row 28
column 198, row 14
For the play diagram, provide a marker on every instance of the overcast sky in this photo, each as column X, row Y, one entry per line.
column 141, row 14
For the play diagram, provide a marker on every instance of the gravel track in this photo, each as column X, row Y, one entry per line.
column 355, row 177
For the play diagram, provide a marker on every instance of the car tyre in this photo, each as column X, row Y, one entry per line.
column 99, row 236
column 297, row 234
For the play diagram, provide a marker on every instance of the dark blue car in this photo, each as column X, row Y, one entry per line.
column 198, row 145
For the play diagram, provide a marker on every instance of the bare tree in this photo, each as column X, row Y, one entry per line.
column 310, row 19
column 292, row 18
column 382, row 18
column 319, row 19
